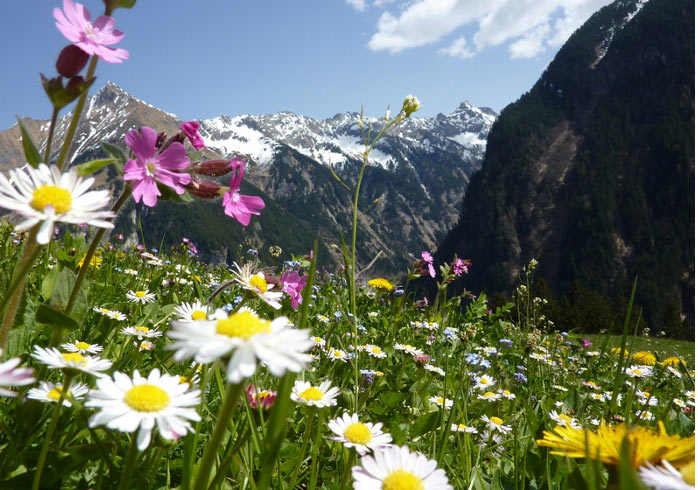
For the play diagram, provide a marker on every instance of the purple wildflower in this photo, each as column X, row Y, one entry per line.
column 237, row 205
column 191, row 131
column 292, row 284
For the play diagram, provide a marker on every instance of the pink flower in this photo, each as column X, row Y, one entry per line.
column 94, row 39
column 460, row 266
column 191, row 130
column 426, row 257
column 432, row 271
column 11, row 375
column 148, row 166
column 237, row 205
column 256, row 397
column 292, row 284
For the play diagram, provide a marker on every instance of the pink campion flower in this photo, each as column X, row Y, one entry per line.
column 292, row 284
column 237, row 205
column 586, row 343
column 93, row 38
column 149, row 166
column 460, row 266
column 426, row 257
column 11, row 375
column 191, row 130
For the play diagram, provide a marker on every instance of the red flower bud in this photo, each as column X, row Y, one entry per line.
column 213, row 168
column 71, row 61
column 205, row 189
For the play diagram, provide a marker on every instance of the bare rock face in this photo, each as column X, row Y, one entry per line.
column 591, row 171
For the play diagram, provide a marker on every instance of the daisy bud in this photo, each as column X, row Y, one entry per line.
column 71, row 61
column 410, row 105
column 213, row 168
column 205, row 189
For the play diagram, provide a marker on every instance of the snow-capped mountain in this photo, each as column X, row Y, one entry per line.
column 410, row 196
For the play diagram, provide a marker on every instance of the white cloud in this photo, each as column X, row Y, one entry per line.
column 527, row 26
column 359, row 5
column 457, row 49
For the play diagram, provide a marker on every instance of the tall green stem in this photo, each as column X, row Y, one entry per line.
column 77, row 113
column 131, row 458
column 316, row 448
column 91, row 252
column 51, row 430
column 13, row 294
column 232, row 393
column 52, row 127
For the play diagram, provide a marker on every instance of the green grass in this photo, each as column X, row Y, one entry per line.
column 661, row 348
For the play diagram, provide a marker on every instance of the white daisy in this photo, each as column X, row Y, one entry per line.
column 463, row 428
column 128, row 404
column 409, row 349
column 484, row 381
column 363, row 437
column 142, row 297
column 506, row 394
column 142, row 332
column 189, row 312
column 434, row 369
column 374, row 351
column 441, row 401
column 47, row 196
column 55, row 359
column 395, row 467
column 316, row 396
column 318, row 341
column 644, row 415
column 11, row 375
column 495, row 423
column 247, row 338
column 131, row 272
column 116, row 315
column 82, row 347
column 337, row 355
column 257, row 283
column 639, row 371
column 323, row 319
column 564, row 420
column 664, row 477
column 145, row 345
column 51, row 393
column 489, row 396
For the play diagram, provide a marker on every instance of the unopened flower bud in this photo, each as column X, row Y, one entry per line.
column 74, row 82
column 410, row 105
column 205, row 189
column 71, row 61
column 213, row 168
column 161, row 139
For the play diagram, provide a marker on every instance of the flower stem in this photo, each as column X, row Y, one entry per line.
column 52, row 127
column 232, row 393
column 91, row 252
column 13, row 294
column 77, row 113
column 348, row 463
column 131, row 458
column 51, row 430
column 304, row 446
column 316, row 448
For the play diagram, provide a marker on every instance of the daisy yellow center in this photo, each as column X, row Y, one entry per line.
column 358, row 433
column 140, row 294
column 143, row 329
column 376, row 350
column 55, row 393
column 82, row 345
column 311, row 393
column 489, row 394
column 46, row 195
column 317, row 339
column 462, row 426
column 637, row 371
column 147, row 398
column 75, row 358
column 244, row 324
column 484, row 381
column 338, row 353
column 259, row 283
column 497, row 420
column 402, row 480
column 440, row 400
column 566, row 419
column 198, row 315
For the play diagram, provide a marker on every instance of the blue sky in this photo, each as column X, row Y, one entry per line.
column 313, row 57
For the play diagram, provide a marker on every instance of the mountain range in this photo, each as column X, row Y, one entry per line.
column 592, row 173
column 410, row 196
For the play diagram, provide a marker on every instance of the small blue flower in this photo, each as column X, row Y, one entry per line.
column 450, row 334
column 398, row 292
column 154, row 250
column 237, row 299
column 521, row 368
column 337, row 315
column 506, row 342
column 253, row 252
column 520, row 378
column 361, row 328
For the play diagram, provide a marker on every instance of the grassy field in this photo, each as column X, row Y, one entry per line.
column 660, row 347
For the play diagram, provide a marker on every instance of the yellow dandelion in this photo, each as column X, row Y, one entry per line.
column 95, row 261
column 673, row 361
column 646, row 445
column 645, row 358
column 616, row 350
column 380, row 283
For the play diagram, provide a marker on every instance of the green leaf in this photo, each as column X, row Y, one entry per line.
column 30, row 152
column 115, row 152
column 169, row 194
column 61, row 96
column 61, row 294
column 49, row 282
column 49, row 316
column 425, row 423
column 93, row 165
